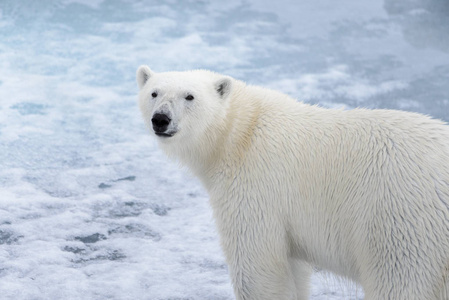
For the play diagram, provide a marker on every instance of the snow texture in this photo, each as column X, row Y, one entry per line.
column 89, row 206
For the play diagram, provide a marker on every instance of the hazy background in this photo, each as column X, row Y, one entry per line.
column 89, row 206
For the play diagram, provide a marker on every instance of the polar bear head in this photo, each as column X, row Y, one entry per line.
column 183, row 109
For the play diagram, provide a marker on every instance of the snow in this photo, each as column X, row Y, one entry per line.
column 89, row 206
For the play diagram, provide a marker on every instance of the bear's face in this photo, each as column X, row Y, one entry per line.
column 182, row 105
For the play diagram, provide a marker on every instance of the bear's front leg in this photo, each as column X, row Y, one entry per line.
column 302, row 271
column 259, row 263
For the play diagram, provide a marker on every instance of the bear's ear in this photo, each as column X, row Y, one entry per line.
column 224, row 87
column 143, row 74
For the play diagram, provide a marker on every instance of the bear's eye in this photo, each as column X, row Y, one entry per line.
column 154, row 95
column 189, row 97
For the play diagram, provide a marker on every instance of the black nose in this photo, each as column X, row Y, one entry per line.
column 160, row 122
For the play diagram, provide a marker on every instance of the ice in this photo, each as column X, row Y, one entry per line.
column 89, row 206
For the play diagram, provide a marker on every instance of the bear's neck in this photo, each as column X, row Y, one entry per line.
column 230, row 147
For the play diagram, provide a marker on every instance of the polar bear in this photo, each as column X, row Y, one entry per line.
column 361, row 193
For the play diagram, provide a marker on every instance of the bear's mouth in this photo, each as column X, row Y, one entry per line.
column 165, row 134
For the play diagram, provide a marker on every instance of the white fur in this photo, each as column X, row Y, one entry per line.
column 361, row 193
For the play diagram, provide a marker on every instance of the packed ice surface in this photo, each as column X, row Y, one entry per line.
column 89, row 206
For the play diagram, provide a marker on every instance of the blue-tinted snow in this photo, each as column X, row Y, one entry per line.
column 89, row 207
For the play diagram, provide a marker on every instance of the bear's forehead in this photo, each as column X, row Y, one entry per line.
column 193, row 80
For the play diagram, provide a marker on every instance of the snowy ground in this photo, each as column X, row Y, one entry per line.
column 89, row 207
